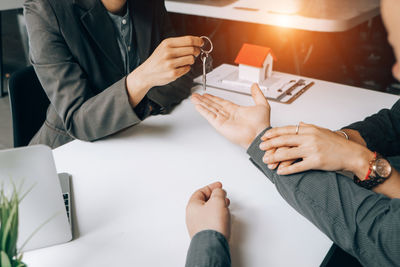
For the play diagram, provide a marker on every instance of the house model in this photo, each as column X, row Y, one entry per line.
column 255, row 63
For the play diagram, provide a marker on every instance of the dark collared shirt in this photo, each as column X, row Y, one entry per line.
column 381, row 131
column 125, row 34
column 126, row 40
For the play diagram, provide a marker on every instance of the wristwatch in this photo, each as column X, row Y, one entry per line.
column 379, row 171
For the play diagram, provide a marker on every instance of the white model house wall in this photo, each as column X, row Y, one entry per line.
column 255, row 74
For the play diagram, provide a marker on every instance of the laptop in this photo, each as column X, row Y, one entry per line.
column 46, row 209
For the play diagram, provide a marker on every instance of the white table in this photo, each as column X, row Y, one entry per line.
column 313, row 15
column 130, row 190
column 11, row 4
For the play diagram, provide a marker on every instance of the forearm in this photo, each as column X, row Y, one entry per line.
column 208, row 249
column 355, row 136
column 360, row 221
column 99, row 116
column 136, row 87
column 170, row 95
column 391, row 187
column 358, row 162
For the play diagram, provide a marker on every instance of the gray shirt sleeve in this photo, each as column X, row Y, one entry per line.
column 363, row 223
column 208, row 249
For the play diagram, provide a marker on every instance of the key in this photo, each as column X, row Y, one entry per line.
column 204, row 60
column 204, row 56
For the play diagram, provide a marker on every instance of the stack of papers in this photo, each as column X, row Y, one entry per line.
column 279, row 87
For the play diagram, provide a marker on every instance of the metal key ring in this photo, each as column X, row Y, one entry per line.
column 203, row 56
column 205, row 38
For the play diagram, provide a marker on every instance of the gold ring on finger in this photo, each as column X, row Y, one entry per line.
column 297, row 128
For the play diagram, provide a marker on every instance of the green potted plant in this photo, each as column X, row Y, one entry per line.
column 9, row 256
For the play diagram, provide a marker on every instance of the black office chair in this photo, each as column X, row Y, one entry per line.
column 29, row 104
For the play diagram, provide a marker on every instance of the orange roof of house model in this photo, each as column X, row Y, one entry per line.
column 253, row 55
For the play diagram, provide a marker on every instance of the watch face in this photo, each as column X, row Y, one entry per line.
column 383, row 168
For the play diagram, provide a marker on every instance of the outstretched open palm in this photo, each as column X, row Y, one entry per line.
column 239, row 124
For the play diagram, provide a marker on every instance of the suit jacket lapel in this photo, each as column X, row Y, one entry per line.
column 101, row 29
column 142, row 14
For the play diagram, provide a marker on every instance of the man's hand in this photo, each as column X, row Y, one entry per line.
column 239, row 124
column 208, row 210
column 170, row 60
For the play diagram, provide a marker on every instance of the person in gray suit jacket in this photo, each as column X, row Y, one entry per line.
column 361, row 215
column 208, row 221
column 105, row 65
